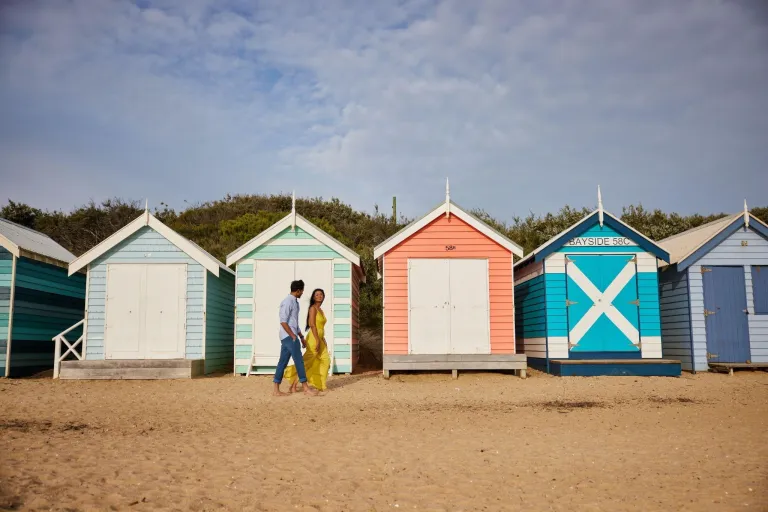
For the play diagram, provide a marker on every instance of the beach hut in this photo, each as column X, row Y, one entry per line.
column 37, row 299
column 714, row 294
column 588, row 301
column 448, row 295
column 157, row 306
column 291, row 249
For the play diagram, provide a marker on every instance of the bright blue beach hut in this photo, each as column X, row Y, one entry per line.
column 37, row 299
column 157, row 306
column 587, row 301
column 714, row 294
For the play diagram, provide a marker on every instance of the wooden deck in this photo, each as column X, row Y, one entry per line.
column 455, row 362
column 730, row 367
column 150, row 369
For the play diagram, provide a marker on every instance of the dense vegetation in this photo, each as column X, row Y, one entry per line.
column 222, row 226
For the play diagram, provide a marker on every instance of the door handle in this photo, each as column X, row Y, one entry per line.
column 746, row 311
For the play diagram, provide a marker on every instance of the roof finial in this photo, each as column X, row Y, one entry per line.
column 599, row 206
column 447, row 198
column 146, row 211
column 293, row 210
column 746, row 214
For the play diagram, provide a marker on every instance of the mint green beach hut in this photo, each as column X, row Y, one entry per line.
column 290, row 249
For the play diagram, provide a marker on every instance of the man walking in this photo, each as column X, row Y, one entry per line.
column 290, row 332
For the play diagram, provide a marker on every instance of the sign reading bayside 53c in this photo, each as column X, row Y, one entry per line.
column 601, row 241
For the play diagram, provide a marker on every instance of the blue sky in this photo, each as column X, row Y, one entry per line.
column 525, row 105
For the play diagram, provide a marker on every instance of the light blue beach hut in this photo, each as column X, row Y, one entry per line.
column 157, row 306
column 37, row 299
column 714, row 294
column 294, row 248
column 587, row 301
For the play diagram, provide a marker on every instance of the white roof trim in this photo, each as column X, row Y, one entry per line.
column 444, row 208
column 193, row 250
column 9, row 246
column 289, row 221
column 557, row 236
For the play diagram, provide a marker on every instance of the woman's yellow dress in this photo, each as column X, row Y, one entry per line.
column 316, row 364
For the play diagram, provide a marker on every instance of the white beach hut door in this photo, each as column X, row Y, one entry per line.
column 146, row 311
column 428, row 303
column 124, row 319
column 469, row 307
column 166, row 311
column 272, row 279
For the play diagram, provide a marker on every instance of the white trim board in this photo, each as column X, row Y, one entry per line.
column 572, row 226
column 445, row 209
column 193, row 250
column 278, row 227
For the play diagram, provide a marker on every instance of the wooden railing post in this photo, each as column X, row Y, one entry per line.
column 57, row 357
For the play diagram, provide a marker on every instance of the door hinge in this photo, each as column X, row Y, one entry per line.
column 708, row 312
column 711, row 355
column 569, row 303
column 636, row 302
column 705, row 269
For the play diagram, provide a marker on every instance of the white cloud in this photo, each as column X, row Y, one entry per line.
column 524, row 105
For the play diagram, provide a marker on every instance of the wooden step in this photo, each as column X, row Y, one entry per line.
column 149, row 369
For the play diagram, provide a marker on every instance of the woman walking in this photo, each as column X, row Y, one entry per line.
column 317, row 360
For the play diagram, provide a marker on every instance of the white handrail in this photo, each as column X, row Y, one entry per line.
column 59, row 339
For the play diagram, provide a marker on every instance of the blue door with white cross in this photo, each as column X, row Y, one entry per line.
column 603, row 306
column 725, row 313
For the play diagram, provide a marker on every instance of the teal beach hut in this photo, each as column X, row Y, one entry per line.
column 587, row 301
column 157, row 306
column 294, row 248
column 37, row 299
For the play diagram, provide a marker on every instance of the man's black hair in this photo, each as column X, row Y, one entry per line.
column 297, row 285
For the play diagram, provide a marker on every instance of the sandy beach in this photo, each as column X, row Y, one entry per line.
column 486, row 441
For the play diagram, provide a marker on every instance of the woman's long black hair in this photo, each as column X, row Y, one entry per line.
column 312, row 302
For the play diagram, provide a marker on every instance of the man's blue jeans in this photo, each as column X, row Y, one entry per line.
column 290, row 348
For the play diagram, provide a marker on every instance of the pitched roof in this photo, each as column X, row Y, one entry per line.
column 581, row 226
column 18, row 239
column 687, row 247
column 193, row 250
column 454, row 209
column 286, row 222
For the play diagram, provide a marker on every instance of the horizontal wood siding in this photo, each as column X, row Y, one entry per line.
column 313, row 250
column 144, row 246
column 219, row 322
column 675, row 317
column 530, row 317
column 6, row 268
column 355, row 319
column 46, row 302
column 743, row 248
column 431, row 242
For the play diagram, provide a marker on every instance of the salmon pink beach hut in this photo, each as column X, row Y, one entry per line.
column 448, row 295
